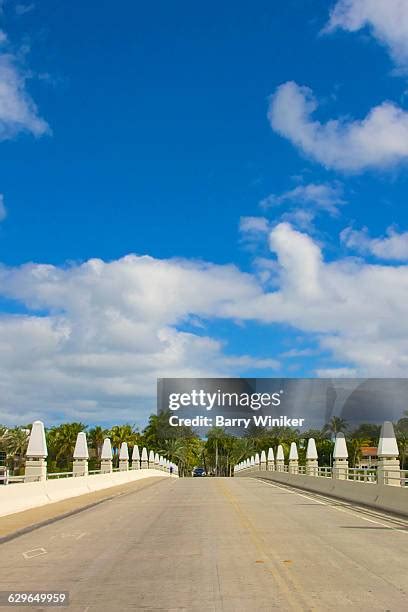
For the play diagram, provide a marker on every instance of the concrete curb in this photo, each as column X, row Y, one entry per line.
column 60, row 516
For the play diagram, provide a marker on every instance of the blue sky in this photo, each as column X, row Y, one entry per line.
column 256, row 152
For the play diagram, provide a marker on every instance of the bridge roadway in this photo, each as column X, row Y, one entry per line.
column 201, row 544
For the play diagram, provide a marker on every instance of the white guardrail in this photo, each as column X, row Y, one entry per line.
column 364, row 475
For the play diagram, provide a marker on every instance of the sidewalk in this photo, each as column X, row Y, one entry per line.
column 21, row 522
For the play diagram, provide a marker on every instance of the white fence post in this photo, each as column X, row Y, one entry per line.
column 389, row 469
column 81, row 456
column 271, row 460
column 106, row 457
column 144, row 464
column 135, row 458
column 124, row 457
column 293, row 459
column 280, row 459
column 312, row 465
column 36, row 464
column 340, row 456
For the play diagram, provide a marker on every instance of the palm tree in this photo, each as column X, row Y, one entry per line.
column 15, row 442
column 3, row 430
column 335, row 425
column 96, row 437
column 173, row 449
column 122, row 433
column 61, row 442
column 401, row 432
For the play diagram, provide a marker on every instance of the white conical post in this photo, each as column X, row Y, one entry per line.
column 156, row 461
column 36, row 464
column 389, row 468
column 263, row 461
column 151, row 460
column 161, row 463
column 252, row 463
column 280, row 459
column 145, row 460
column 340, row 456
column 81, row 455
column 106, row 457
column 135, row 458
column 271, row 460
column 293, row 459
column 257, row 461
column 312, row 465
column 124, row 457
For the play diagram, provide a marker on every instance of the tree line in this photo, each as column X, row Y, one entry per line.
column 217, row 453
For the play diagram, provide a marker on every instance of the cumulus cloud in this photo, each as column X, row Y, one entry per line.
column 380, row 140
column 393, row 246
column 351, row 307
column 18, row 112
column 109, row 331
column 387, row 20
column 94, row 337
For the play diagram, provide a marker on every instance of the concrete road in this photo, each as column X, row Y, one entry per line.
column 200, row 544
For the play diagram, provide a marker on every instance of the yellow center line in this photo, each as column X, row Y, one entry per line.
column 286, row 583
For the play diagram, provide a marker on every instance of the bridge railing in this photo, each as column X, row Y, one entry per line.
column 386, row 471
column 362, row 474
column 398, row 478
column 51, row 475
column 36, row 460
column 324, row 472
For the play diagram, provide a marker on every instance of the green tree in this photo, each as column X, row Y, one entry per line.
column 335, row 425
column 122, row 433
column 401, row 433
column 15, row 442
column 96, row 437
column 61, row 443
column 369, row 433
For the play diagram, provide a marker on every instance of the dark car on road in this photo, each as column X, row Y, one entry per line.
column 198, row 471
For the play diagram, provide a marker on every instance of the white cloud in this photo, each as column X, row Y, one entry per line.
column 387, row 20
column 380, row 140
column 393, row 246
column 111, row 330
column 336, row 373
column 3, row 211
column 305, row 202
column 253, row 225
column 96, row 335
column 355, row 310
column 323, row 196
column 18, row 112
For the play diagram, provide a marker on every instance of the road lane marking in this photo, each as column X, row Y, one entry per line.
column 77, row 535
column 35, row 552
column 287, row 583
column 346, row 509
